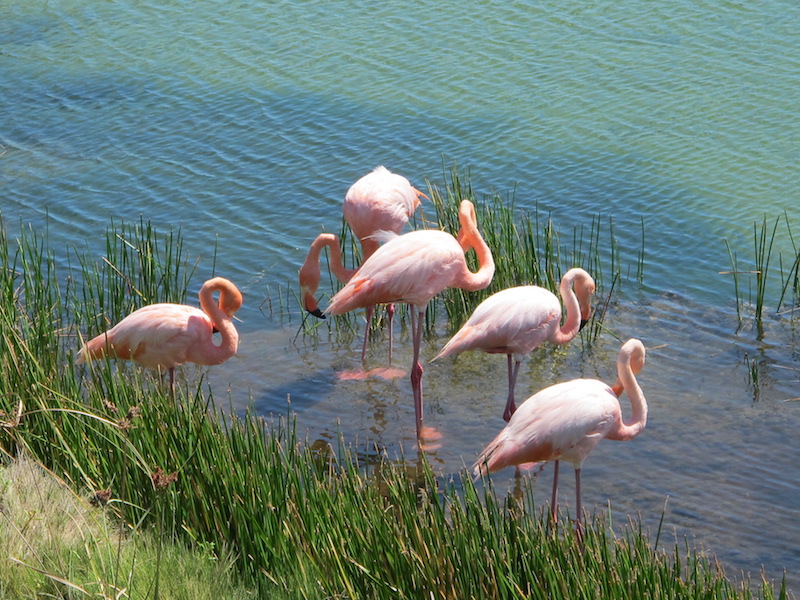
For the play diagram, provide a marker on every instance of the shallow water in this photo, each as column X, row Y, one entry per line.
column 246, row 126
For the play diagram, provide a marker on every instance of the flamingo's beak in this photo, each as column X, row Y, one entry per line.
column 583, row 324
column 317, row 313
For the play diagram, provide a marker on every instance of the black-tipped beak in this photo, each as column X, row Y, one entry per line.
column 317, row 313
column 583, row 324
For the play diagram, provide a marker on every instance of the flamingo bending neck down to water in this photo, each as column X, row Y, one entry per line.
column 567, row 420
column 516, row 320
column 163, row 336
column 413, row 268
column 379, row 201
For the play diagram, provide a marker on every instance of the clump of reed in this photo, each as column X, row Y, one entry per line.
column 302, row 522
column 528, row 249
column 755, row 292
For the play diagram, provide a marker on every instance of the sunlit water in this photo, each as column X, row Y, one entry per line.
column 245, row 123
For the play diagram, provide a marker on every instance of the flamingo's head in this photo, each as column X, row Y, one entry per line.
column 230, row 300
column 309, row 281
column 635, row 349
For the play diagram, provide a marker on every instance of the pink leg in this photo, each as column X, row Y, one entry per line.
column 512, row 382
column 416, row 369
column 370, row 312
column 390, row 312
column 578, row 506
column 554, row 499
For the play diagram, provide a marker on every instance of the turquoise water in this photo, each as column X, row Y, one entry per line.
column 245, row 123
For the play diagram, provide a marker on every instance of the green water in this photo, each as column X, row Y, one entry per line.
column 245, row 123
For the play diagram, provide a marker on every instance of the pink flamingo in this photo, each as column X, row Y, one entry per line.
column 567, row 420
column 516, row 320
column 414, row 268
column 162, row 336
column 379, row 201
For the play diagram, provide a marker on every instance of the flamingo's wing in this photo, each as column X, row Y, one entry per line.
column 562, row 422
column 410, row 268
column 381, row 200
column 158, row 335
column 515, row 320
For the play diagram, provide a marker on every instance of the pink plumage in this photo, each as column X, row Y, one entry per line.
column 379, row 201
column 163, row 336
column 413, row 268
column 516, row 320
column 567, row 420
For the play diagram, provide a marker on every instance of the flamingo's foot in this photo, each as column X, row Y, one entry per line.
column 386, row 372
column 356, row 375
column 429, row 439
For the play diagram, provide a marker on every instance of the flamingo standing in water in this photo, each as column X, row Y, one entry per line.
column 162, row 336
column 413, row 268
column 516, row 320
column 567, row 420
column 379, row 201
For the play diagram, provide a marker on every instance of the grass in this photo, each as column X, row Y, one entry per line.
column 59, row 544
column 295, row 521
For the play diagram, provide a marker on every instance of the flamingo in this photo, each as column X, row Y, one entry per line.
column 413, row 268
column 162, row 336
column 516, row 320
column 567, row 420
column 379, row 201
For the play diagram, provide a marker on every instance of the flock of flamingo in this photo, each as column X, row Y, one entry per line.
column 562, row 422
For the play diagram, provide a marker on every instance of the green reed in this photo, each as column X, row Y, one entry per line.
column 528, row 249
column 140, row 266
column 303, row 522
column 790, row 293
column 764, row 238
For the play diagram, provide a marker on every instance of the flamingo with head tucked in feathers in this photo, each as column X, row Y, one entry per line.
column 413, row 268
column 380, row 201
column 164, row 335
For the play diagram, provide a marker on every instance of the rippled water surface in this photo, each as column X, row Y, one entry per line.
column 245, row 124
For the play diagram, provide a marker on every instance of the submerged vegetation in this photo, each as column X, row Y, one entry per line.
column 285, row 519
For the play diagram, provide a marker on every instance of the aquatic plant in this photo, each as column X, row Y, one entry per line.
column 764, row 238
column 528, row 249
column 302, row 521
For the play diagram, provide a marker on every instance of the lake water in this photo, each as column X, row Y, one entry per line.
column 244, row 124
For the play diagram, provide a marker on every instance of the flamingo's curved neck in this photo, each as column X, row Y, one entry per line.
column 337, row 268
column 230, row 300
column 629, row 429
column 368, row 247
column 569, row 329
column 470, row 237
